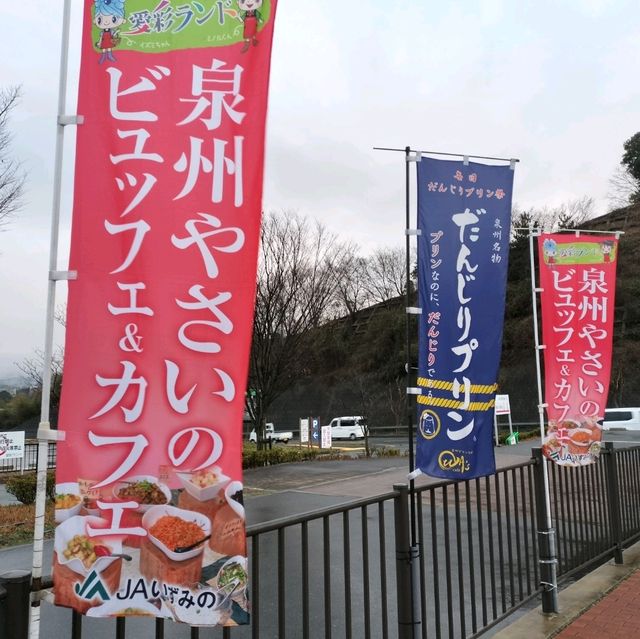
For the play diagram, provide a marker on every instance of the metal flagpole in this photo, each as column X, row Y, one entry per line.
column 414, row 550
column 408, row 340
column 546, row 535
column 45, row 434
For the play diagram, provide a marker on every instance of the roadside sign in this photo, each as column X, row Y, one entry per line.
column 502, row 405
column 325, row 437
column 11, row 445
column 315, row 431
column 304, row 430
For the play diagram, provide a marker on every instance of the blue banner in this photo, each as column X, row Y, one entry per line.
column 464, row 214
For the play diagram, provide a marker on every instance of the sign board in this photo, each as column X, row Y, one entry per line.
column 304, row 430
column 11, row 445
column 315, row 431
column 325, row 437
column 502, row 405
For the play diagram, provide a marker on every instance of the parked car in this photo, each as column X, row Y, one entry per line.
column 271, row 433
column 351, row 427
column 622, row 418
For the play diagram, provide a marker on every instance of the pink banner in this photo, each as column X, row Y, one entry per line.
column 166, row 221
column 577, row 277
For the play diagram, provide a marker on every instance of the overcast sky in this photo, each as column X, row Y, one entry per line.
column 552, row 83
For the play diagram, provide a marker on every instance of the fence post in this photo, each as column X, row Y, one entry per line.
column 14, row 617
column 613, row 493
column 546, row 536
column 407, row 624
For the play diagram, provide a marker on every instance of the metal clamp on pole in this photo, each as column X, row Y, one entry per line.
column 416, row 157
column 413, row 310
column 46, row 433
column 56, row 276
column 413, row 231
column 65, row 120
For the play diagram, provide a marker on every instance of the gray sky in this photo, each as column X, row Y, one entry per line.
column 552, row 83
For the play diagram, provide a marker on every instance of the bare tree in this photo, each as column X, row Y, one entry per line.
column 11, row 175
column 32, row 368
column 623, row 188
column 352, row 294
column 298, row 270
column 386, row 274
column 570, row 214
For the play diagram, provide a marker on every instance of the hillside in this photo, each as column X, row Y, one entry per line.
column 357, row 364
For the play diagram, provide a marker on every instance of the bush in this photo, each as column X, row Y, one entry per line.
column 254, row 458
column 23, row 487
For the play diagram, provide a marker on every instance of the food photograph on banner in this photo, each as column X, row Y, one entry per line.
column 577, row 282
column 165, row 231
column 464, row 220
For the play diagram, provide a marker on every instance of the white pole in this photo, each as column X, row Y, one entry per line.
column 43, row 440
column 534, row 290
column 546, row 537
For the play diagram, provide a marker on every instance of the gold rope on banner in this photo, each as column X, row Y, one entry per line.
column 442, row 385
column 452, row 403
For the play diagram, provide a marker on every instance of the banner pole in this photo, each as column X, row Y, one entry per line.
column 546, row 536
column 44, row 435
column 415, row 548
column 408, row 343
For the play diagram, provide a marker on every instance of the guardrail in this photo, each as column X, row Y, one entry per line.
column 30, row 459
column 345, row 571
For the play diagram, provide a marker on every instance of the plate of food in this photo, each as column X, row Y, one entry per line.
column 68, row 501
column 172, row 529
column 581, row 437
column 81, row 553
column 232, row 576
column 90, row 505
column 145, row 489
column 203, row 484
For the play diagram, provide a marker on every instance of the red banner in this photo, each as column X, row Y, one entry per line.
column 578, row 278
column 166, row 220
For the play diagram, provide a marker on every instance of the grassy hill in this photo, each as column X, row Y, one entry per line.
column 356, row 365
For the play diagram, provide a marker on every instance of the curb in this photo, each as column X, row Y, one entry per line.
column 574, row 600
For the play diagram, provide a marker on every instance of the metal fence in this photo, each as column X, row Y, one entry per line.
column 345, row 571
column 30, row 459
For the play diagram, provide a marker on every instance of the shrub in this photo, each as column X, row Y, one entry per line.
column 254, row 458
column 23, row 487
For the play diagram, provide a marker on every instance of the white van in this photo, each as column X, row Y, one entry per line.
column 351, row 427
column 621, row 418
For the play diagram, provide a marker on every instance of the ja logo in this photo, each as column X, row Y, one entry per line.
column 92, row 588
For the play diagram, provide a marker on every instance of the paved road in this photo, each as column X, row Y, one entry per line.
column 275, row 492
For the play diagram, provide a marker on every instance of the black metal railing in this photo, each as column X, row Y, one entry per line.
column 479, row 559
column 30, row 459
column 345, row 571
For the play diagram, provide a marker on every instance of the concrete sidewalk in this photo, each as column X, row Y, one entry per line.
column 606, row 602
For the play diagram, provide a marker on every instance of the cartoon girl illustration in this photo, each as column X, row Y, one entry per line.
column 550, row 250
column 108, row 16
column 607, row 248
column 251, row 17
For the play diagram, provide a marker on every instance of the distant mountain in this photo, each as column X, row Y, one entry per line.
column 12, row 384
